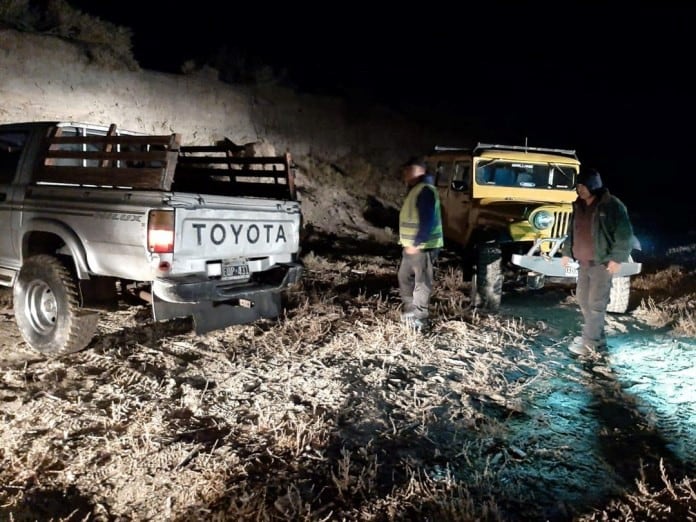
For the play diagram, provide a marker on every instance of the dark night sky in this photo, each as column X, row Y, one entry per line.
column 612, row 81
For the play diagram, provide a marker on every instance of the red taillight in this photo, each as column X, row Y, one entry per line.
column 160, row 231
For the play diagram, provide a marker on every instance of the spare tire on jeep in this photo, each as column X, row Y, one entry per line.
column 620, row 293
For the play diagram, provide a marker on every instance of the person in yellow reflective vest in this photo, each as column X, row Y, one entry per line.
column 420, row 235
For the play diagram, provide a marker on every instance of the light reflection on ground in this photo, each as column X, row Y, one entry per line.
column 604, row 427
column 660, row 372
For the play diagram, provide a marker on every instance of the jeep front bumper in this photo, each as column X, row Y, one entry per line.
column 549, row 264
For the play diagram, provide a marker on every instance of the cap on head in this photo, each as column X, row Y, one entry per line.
column 590, row 178
column 414, row 168
column 417, row 161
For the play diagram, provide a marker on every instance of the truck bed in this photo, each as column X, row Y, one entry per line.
column 160, row 162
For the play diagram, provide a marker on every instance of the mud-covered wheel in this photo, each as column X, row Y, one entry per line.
column 47, row 309
column 488, row 277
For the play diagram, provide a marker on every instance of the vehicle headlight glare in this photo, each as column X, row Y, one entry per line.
column 542, row 220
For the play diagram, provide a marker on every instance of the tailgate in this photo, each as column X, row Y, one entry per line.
column 247, row 229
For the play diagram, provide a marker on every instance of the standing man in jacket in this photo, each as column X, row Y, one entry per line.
column 420, row 235
column 599, row 237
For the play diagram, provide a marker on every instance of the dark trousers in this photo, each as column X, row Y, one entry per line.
column 416, row 281
column 593, row 292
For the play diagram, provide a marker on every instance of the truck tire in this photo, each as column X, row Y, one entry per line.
column 488, row 277
column 47, row 309
column 619, row 294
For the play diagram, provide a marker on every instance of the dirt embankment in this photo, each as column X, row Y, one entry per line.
column 347, row 155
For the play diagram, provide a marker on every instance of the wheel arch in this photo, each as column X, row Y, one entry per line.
column 46, row 236
column 489, row 234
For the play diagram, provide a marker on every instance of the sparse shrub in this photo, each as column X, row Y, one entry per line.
column 19, row 14
column 653, row 313
column 103, row 42
column 686, row 322
column 237, row 66
column 678, row 313
column 657, row 281
column 189, row 67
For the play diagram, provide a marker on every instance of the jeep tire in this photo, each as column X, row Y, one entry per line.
column 487, row 282
column 47, row 309
column 619, row 294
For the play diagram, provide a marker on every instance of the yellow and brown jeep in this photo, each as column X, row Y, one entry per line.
column 507, row 206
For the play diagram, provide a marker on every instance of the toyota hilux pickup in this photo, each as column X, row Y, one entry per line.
column 90, row 213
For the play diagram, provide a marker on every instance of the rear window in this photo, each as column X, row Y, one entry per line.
column 11, row 146
column 78, row 147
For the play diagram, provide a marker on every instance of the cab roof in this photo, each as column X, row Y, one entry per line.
column 50, row 123
column 511, row 152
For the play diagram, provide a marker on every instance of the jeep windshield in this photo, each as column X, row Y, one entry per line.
column 525, row 175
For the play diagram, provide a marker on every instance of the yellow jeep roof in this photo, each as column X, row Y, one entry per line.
column 521, row 155
column 509, row 153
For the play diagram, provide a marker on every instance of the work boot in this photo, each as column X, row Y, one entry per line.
column 580, row 347
column 585, row 349
column 582, row 350
column 417, row 324
column 604, row 371
column 412, row 315
column 407, row 316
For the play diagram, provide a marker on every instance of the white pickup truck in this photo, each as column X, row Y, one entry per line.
column 91, row 213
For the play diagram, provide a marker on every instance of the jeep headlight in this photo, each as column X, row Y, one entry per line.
column 542, row 220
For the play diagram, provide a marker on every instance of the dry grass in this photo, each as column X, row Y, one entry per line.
column 673, row 501
column 670, row 293
column 334, row 412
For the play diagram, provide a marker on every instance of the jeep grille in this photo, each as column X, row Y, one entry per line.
column 560, row 224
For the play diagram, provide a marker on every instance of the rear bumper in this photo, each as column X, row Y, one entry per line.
column 215, row 304
column 196, row 289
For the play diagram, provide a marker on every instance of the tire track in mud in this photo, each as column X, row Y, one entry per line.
column 620, row 418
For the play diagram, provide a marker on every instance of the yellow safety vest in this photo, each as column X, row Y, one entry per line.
column 409, row 220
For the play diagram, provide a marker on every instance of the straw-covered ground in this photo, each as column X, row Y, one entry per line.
column 336, row 412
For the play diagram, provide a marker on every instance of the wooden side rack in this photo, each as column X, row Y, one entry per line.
column 160, row 162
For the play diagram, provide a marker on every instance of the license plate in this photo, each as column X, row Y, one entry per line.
column 235, row 271
column 571, row 270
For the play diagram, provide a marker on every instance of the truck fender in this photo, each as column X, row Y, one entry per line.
column 72, row 242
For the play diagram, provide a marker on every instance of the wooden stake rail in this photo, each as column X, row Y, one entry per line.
column 213, row 169
column 159, row 162
column 143, row 162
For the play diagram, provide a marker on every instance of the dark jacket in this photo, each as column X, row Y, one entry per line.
column 611, row 230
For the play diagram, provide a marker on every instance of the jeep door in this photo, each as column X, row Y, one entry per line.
column 454, row 186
